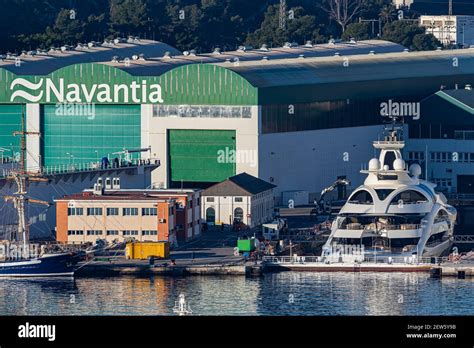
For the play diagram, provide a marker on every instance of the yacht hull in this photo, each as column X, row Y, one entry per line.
column 439, row 250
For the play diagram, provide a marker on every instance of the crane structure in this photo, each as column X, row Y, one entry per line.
column 282, row 19
column 321, row 203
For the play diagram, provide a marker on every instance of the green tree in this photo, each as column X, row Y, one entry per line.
column 425, row 42
column 388, row 13
column 358, row 31
column 65, row 30
column 183, row 27
column 370, row 9
column 129, row 17
column 404, row 33
column 300, row 27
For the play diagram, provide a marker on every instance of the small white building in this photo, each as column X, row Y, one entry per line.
column 450, row 30
column 241, row 198
column 403, row 3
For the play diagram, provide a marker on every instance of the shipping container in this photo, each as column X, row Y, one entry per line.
column 246, row 245
column 144, row 250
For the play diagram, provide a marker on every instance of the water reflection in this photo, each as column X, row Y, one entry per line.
column 275, row 294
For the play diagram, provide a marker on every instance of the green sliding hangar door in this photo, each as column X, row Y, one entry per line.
column 10, row 121
column 200, row 156
column 87, row 135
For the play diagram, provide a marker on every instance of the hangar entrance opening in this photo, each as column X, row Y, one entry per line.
column 200, row 158
column 84, row 135
column 466, row 183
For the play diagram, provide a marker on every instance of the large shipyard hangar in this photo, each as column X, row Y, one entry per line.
column 296, row 116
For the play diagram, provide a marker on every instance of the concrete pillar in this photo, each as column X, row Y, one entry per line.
column 146, row 114
column 33, row 155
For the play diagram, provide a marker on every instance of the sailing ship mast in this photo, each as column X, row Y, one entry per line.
column 21, row 176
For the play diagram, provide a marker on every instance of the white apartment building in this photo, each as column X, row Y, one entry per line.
column 450, row 30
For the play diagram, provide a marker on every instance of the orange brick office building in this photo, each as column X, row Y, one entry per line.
column 145, row 215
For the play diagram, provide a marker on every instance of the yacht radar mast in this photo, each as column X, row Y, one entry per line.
column 393, row 128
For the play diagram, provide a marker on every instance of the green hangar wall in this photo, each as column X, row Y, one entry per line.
column 91, row 110
column 10, row 121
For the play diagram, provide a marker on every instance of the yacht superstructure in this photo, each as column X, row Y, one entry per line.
column 394, row 213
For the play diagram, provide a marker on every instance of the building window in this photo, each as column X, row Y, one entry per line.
column 238, row 199
column 210, row 215
column 418, row 156
column 149, row 212
column 202, row 111
column 94, row 211
column 112, row 211
column 75, row 233
column 130, row 233
column 443, row 183
column 130, row 211
column 238, row 214
column 210, row 199
column 447, row 157
column 75, row 211
column 112, row 232
column 149, row 233
column 94, row 232
column 190, row 203
column 116, row 183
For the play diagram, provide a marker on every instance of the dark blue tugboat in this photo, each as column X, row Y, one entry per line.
column 48, row 265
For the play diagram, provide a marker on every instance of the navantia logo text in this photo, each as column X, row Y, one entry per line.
column 81, row 93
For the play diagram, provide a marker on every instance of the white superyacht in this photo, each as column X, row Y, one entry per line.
column 393, row 215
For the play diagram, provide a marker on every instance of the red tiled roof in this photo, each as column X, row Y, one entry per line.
column 124, row 195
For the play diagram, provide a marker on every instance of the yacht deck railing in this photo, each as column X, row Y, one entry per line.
column 354, row 259
column 370, row 227
column 83, row 167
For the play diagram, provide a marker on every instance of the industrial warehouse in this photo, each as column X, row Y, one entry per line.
column 279, row 114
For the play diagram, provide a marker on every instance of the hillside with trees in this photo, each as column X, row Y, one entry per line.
column 202, row 24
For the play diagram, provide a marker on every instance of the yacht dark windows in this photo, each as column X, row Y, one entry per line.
column 383, row 193
column 409, row 197
column 361, row 197
column 389, row 159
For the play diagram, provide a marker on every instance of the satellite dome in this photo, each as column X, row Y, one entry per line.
column 374, row 164
column 386, row 167
column 415, row 170
column 399, row 164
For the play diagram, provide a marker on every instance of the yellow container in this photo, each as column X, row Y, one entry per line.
column 144, row 250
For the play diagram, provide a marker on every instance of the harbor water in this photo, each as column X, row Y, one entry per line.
column 288, row 293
